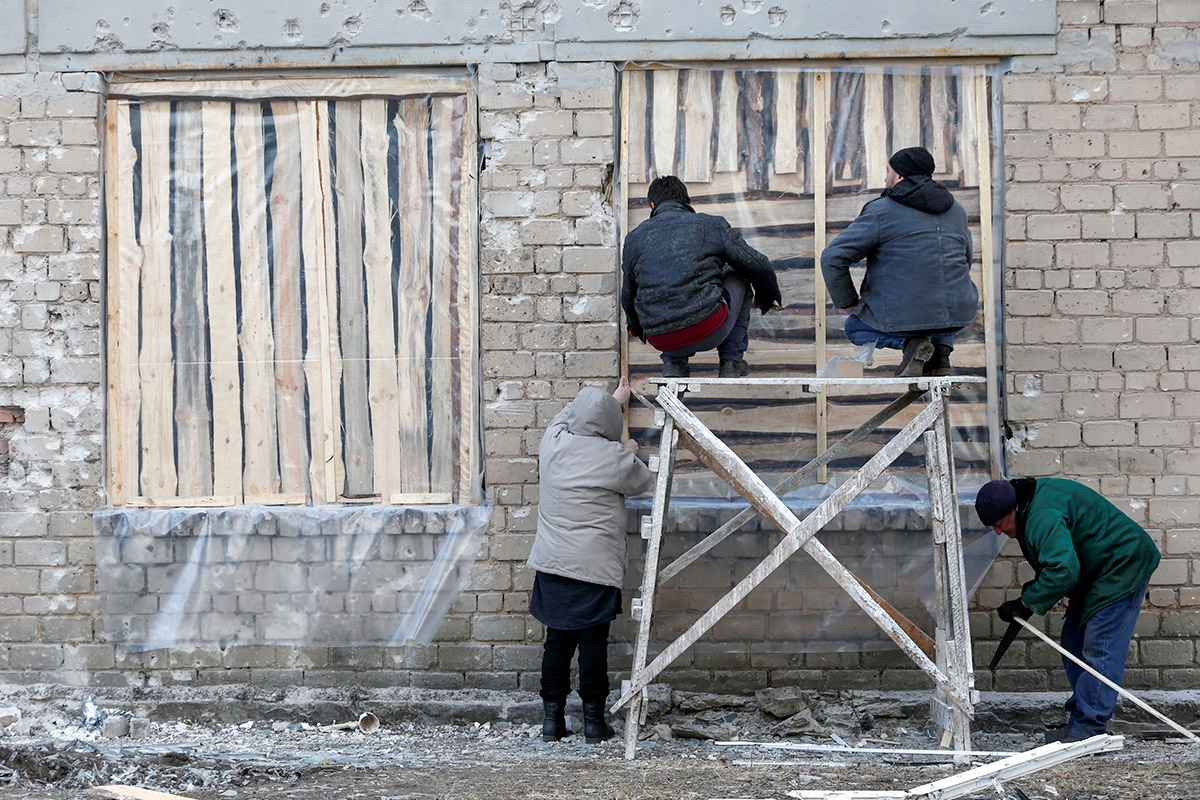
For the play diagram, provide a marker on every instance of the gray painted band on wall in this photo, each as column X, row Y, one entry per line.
column 12, row 32
column 143, row 34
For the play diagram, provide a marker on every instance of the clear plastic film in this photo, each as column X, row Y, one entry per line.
column 789, row 156
column 291, row 294
column 254, row 575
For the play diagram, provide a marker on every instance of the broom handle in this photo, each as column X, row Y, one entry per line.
column 1106, row 681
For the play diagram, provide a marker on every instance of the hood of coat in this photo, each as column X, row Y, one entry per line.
column 922, row 193
column 595, row 412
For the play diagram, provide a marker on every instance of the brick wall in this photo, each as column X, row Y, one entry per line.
column 1102, row 307
column 1102, row 297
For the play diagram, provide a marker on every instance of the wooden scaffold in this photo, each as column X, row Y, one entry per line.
column 945, row 658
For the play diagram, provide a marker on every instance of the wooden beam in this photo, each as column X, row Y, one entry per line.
column 225, row 375
column 697, row 126
column 446, row 139
column 665, row 126
column 820, row 237
column 467, row 317
column 987, row 237
column 270, row 88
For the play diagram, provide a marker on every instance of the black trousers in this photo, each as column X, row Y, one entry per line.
column 559, row 649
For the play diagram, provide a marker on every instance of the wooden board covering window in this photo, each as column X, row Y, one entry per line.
column 779, row 152
column 291, row 303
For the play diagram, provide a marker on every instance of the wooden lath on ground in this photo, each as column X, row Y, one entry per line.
column 950, row 667
column 292, row 292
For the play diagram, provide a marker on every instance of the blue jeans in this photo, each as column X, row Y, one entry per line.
column 859, row 332
column 1102, row 643
column 733, row 337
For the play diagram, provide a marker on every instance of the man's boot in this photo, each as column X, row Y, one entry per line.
column 938, row 364
column 554, row 725
column 595, row 729
column 676, row 368
column 733, row 368
column 917, row 350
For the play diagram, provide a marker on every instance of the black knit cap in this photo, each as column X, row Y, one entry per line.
column 912, row 161
column 994, row 501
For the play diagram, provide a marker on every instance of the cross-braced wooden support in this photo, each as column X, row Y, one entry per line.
column 952, row 672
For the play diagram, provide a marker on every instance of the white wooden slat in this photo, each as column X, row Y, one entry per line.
column 698, row 126
column 665, row 125
column 786, row 154
column 224, row 374
column 466, row 315
column 446, row 137
column 156, row 369
column 728, row 151
column 255, row 337
column 384, row 382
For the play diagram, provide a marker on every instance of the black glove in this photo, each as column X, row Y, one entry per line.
column 767, row 299
column 636, row 332
column 1014, row 608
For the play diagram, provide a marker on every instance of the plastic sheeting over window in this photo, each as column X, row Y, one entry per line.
column 789, row 156
column 302, row 576
column 291, row 293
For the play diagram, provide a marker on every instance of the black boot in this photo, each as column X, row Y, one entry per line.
column 938, row 364
column 554, row 725
column 917, row 350
column 731, row 368
column 595, row 729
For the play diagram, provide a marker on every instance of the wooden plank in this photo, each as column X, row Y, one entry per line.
column 118, row 792
column 421, row 499
column 697, row 126
column 282, row 499
column 985, row 777
column 786, row 155
column 319, row 344
column 287, row 304
column 728, row 156
column 272, row 88
column 942, row 123
column 820, row 301
column 467, row 310
column 155, row 359
column 665, row 122
column 635, row 125
column 906, row 110
column 188, row 318
column 413, row 293
column 208, row 501
column 255, row 336
column 799, row 535
column 972, row 125
column 126, row 256
column 668, row 440
column 875, row 149
column 352, row 311
column 752, row 121
column 225, row 375
column 446, row 139
column 988, row 282
column 383, row 380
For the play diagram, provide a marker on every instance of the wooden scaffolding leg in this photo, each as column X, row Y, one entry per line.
column 643, row 606
column 952, row 633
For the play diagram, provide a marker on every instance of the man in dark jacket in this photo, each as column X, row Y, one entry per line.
column 917, row 291
column 689, row 280
column 1085, row 549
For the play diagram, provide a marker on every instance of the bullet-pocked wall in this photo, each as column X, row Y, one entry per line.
column 1100, row 290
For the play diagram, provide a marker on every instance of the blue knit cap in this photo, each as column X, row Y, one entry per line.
column 994, row 501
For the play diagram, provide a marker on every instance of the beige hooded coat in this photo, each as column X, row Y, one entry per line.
column 585, row 475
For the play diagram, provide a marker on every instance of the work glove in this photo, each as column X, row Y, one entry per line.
column 1012, row 609
column 636, row 332
column 767, row 299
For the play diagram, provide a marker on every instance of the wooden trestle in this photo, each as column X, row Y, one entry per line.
column 949, row 666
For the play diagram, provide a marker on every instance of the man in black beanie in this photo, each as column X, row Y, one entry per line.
column 917, row 291
column 1086, row 550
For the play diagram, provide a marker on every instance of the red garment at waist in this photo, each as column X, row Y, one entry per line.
column 677, row 340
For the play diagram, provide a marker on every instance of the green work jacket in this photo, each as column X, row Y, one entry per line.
column 1081, row 547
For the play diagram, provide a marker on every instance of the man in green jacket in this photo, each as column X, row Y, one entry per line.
column 1084, row 549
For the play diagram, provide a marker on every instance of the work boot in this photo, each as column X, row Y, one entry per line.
column 731, row 368
column 676, row 369
column 917, row 350
column 554, row 725
column 595, row 729
column 1065, row 734
column 938, row 364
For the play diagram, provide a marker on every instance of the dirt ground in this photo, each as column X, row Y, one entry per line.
column 59, row 759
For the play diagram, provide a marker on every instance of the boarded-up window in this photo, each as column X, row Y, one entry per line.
column 291, row 293
column 789, row 157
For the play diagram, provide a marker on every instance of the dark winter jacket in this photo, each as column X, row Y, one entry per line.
column 585, row 474
column 1080, row 546
column 918, row 250
column 672, row 264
